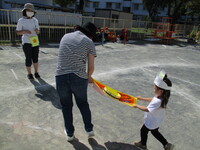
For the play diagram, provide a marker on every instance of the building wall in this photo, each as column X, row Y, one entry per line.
column 125, row 5
column 1, row 2
column 45, row 17
column 8, row 6
column 116, row 21
column 103, row 13
column 102, row 5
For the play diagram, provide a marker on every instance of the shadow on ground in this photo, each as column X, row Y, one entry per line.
column 46, row 92
column 78, row 145
column 119, row 146
column 94, row 144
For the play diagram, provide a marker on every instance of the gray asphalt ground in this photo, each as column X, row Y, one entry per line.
column 30, row 118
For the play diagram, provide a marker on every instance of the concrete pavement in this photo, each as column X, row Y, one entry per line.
column 31, row 119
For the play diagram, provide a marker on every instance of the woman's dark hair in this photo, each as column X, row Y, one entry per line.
column 24, row 13
column 84, row 32
column 166, row 93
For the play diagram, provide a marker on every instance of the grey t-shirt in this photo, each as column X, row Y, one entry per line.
column 73, row 54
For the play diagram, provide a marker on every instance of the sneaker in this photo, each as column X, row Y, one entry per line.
column 37, row 75
column 90, row 134
column 139, row 145
column 69, row 138
column 30, row 77
column 169, row 146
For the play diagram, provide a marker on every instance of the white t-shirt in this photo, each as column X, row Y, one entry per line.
column 27, row 24
column 156, row 114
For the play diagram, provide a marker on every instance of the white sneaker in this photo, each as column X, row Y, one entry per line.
column 90, row 134
column 69, row 138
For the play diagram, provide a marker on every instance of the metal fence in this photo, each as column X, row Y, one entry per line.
column 53, row 25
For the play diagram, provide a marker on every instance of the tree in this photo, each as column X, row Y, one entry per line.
column 64, row 3
column 81, row 6
column 175, row 7
column 152, row 7
column 193, row 7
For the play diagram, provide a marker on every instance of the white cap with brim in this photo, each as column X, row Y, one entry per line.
column 159, row 81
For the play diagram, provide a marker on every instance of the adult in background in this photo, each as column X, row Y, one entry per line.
column 75, row 54
column 28, row 27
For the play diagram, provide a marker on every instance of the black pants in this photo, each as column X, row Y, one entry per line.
column 144, row 135
column 31, row 54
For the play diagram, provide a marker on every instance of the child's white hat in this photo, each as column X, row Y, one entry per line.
column 159, row 81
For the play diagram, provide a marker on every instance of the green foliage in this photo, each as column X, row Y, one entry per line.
column 152, row 6
column 195, row 34
column 194, row 7
column 175, row 7
column 64, row 3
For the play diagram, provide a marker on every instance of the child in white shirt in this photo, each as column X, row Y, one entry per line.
column 155, row 112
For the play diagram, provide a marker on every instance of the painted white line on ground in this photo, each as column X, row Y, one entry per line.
column 45, row 85
column 14, row 92
column 187, row 97
column 100, row 75
column 111, row 51
column 164, row 46
column 186, row 81
column 175, row 78
column 25, row 125
column 184, row 60
column 42, row 51
column 182, row 80
column 18, row 55
column 14, row 74
column 120, row 71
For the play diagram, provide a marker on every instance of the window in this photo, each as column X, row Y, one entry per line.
column 15, row 6
column 115, row 18
column 117, row 5
column 108, row 5
column 136, row 7
column 95, row 4
column 72, row 5
column 87, row 4
column 144, row 8
column 126, row 9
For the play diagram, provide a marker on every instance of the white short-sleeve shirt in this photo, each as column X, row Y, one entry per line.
column 27, row 24
column 156, row 114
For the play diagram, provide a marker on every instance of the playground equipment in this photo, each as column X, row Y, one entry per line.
column 164, row 30
column 124, row 36
column 106, row 35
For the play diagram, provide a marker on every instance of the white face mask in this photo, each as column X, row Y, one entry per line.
column 29, row 14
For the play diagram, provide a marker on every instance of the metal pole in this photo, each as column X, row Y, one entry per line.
column 65, row 23
column 49, row 26
column 131, row 29
column 9, row 30
column 92, row 19
column 102, row 37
